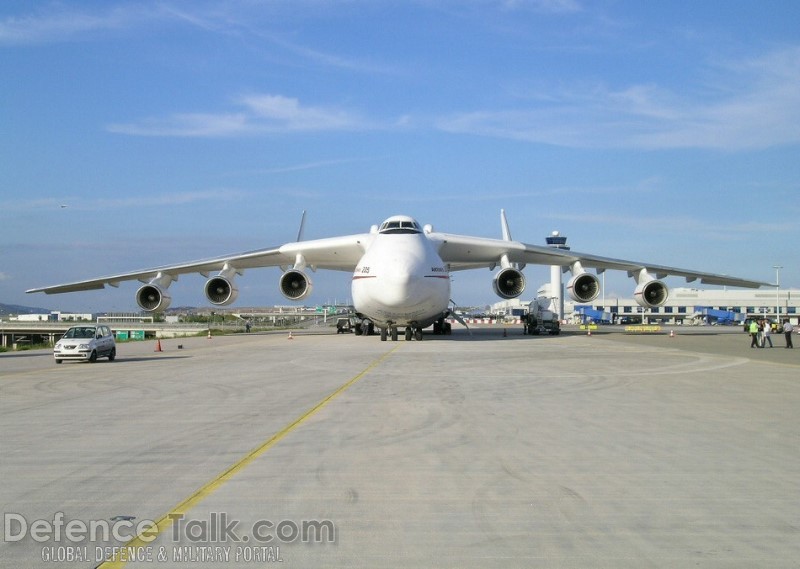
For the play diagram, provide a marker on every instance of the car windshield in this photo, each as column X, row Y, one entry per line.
column 80, row 332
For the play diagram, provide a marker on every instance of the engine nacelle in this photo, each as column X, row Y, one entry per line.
column 509, row 283
column 651, row 294
column 221, row 291
column 295, row 285
column 583, row 287
column 153, row 298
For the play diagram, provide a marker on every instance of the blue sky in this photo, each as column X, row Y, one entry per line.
column 657, row 131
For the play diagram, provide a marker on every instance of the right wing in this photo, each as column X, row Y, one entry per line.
column 336, row 253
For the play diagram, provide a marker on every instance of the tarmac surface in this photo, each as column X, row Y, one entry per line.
column 611, row 450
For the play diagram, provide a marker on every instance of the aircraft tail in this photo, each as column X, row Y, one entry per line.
column 302, row 226
column 504, row 225
column 507, row 236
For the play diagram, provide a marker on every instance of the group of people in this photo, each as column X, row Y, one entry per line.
column 761, row 333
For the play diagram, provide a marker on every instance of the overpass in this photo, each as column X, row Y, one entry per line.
column 16, row 333
column 13, row 334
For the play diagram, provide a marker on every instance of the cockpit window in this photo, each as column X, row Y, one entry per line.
column 400, row 227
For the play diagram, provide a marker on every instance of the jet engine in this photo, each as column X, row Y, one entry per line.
column 651, row 293
column 295, row 284
column 153, row 298
column 509, row 283
column 221, row 291
column 583, row 287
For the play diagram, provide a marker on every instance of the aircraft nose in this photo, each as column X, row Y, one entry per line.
column 399, row 286
column 397, row 294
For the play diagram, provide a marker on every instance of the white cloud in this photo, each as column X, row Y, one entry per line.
column 754, row 104
column 57, row 22
column 547, row 6
column 260, row 114
column 75, row 203
column 700, row 228
column 53, row 22
column 284, row 113
column 177, row 198
column 304, row 166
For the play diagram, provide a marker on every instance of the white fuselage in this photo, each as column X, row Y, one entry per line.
column 401, row 281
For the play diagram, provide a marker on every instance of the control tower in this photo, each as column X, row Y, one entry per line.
column 557, row 241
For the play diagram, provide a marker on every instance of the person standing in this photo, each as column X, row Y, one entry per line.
column 767, row 331
column 754, row 333
column 787, row 332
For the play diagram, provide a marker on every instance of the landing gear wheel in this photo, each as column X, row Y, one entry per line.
column 418, row 334
column 394, row 333
column 384, row 334
column 409, row 331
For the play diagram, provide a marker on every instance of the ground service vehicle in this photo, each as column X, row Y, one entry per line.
column 344, row 325
column 540, row 321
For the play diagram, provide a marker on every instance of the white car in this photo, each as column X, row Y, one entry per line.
column 86, row 343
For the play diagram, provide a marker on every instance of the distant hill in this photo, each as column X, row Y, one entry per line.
column 17, row 309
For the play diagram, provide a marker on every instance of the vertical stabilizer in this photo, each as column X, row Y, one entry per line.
column 504, row 224
column 302, row 226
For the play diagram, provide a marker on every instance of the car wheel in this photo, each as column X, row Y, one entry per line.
column 93, row 356
column 112, row 354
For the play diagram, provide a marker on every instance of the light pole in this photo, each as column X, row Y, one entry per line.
column 777, row 292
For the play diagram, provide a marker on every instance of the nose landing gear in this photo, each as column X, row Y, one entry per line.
column 391, row 329
column 411, row 332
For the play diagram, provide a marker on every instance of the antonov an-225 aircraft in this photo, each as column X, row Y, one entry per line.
column 401, row 273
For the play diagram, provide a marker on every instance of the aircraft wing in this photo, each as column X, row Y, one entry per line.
column 337, row 253
column 465, row 252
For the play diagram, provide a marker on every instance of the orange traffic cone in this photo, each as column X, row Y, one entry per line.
column 158, row 345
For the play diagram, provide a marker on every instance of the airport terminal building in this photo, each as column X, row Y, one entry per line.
column 685, row 306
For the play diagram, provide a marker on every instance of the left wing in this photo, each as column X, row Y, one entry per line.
column 465, row 252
